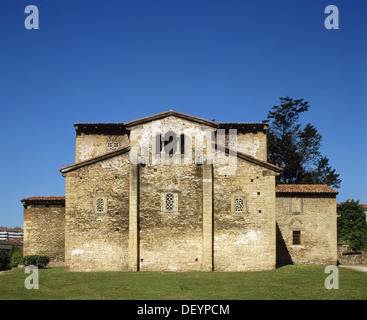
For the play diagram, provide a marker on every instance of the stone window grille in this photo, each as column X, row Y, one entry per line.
column 228, row 138
column 100, row 205
column 112, row 143
column 238, row 204
column 170, row 202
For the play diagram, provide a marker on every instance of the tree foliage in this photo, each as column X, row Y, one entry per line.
column 352, row 225
column 296, row 149
column 11, row 258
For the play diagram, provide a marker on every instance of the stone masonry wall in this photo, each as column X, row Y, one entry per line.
column 253, row 144
column 347, row 256
column 170, row 241
column 91, row 145
column 44, row 229
column 315, row 217
column 244, row 241
column 189, row 238
column 98, row 241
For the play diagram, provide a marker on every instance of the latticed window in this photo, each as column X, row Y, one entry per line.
column 170, row 202
column 238, row 204
column 226, row 140
column 112, row 143
column 100, row 205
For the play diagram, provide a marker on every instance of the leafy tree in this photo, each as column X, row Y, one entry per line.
column 296, row 149
column 352, row 225
column 4, row 260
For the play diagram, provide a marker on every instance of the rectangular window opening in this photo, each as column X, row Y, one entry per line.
column 296, row 238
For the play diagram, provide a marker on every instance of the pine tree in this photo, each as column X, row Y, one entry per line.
column 297, row 149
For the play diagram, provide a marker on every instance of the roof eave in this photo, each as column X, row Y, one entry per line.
column 167, row 114
column 249, row 158
column 87, row 162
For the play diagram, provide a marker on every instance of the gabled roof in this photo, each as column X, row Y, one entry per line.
column 89, row 161
column 171, row 113
column 120, row 128
column 117, row 152
column 305, row 188
column 249, row 158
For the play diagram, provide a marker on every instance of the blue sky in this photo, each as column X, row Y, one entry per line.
column 116, row 61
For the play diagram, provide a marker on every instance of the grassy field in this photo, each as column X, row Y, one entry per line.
column 289, row 282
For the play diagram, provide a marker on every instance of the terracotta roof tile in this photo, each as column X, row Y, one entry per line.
column 86, row 162
column 44, row 198
column 249, row 158
column 305, row 188
column 11, row 229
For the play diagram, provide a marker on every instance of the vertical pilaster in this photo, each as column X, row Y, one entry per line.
column 207, row 217
column 133, row 217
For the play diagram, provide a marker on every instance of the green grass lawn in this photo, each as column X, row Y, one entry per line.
column 289, row 282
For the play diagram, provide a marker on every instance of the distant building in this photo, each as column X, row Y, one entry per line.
column 10, row 233
column 11, row 237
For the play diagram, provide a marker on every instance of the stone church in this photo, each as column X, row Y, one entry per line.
column 173, row 192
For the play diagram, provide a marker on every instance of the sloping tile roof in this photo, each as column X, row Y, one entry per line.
column 55, row 200
column 11, row 229
column 249, row 158
column 116, row 152
column 305, row 188
column 44, row 198
column 89, row 161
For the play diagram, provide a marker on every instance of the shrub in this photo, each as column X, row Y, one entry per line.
column 15, row 256
column 36, row 260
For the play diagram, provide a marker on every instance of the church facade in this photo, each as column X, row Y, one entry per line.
column 173, row 192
